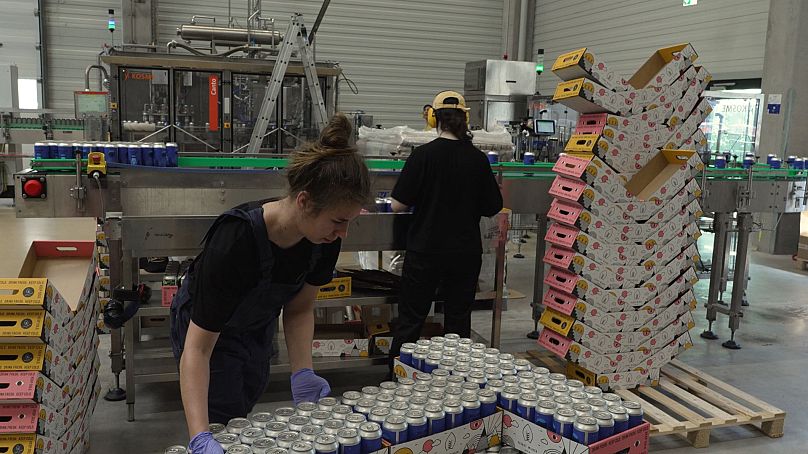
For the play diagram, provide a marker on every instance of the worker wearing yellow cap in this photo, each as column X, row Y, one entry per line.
column 449, row 184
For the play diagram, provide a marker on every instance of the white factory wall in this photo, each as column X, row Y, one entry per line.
column 19, row 36
column 729, row 35
column 76, row 31
column 399, row 54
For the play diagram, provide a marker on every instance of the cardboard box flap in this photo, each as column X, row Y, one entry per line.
column 63, row 263
column 569, row 59
column 655, row 63
column 581, row 143
column 22, row 292
column 560, row 301
column 657, row 172
column 569, row 89
column 556, row 321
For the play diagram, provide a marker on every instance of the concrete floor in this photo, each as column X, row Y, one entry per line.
column 771, row 365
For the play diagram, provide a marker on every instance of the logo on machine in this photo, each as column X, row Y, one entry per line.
column 138, row 76
column 214, row 85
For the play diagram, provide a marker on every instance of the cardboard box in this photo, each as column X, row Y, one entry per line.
column 664, row 66
column 340, row 340
column 531, row 438
column 339, row 287
column 594, row 172
column 586, row 96
column 610, row 382
column 686, row 130
column 692, row 96
column 584, row 63
column 476, row 436
column 33, row 387
column 672, row 92
column 17, row 354
column 31, row 443
column 661, row 175
column 33, row 323
column 401, row 370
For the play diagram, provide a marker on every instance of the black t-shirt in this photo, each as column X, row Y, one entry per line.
column 451, row 185
column 227, row 270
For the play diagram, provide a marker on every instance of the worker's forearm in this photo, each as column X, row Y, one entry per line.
column 298, row 327
column 398, row 207
column 194, row 382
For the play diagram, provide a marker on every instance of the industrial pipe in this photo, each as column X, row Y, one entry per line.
column 87, row 76
column 174, row 43
column 225, row 35
column 523, row 9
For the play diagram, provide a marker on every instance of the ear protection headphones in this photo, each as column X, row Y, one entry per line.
column 446, row 100
column 117, row 312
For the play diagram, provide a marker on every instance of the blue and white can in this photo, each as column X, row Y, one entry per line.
column 563, row 420
column 775, row 163
column 488, row 402
column 620, row 417
column 526, row 406
column 172, row 151
column 135, row 154
column 471, row 407
column 371, row 434
column 748, row 161
column 160, row 155
column 605, row 424
column 529, row 158
column 454, row 413
column 493, row 157
column 65, row 151
column 435, row 418
column 509, row 398
column 86, row 149
column 41, row 151
column 790, row 160
column 585, row 430
column 111, row 152
column 405, row 354
column 545, row 411
column 417, row 425
column 349, row 441
column 769, row 158
column 326, row 444
column 635, row 413
column 147, row 154
column 720, row 162
column 394, row 429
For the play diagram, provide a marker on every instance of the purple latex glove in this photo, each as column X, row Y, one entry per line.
column 203, row 443
column 308, row 386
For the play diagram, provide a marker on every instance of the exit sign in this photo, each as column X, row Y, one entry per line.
column 689, row 2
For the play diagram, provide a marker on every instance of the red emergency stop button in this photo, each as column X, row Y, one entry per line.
column 33, row 188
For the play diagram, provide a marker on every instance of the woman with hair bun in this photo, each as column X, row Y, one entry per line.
column 260, row 259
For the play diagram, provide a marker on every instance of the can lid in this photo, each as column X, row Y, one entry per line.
column 347, row 433
column 415, row 413
column 394, row 420
column 549, row 404
column 325, row 439
column 311, row 429
column 336, row 423
column 602, row 416
column 630, row 405
column 433, row 408
column 564, row 411
column 369, row 426
column 617, row 409
column 586, row 421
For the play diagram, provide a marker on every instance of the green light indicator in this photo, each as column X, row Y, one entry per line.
column 539, row 67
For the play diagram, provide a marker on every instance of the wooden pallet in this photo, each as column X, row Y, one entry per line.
column 690, row 403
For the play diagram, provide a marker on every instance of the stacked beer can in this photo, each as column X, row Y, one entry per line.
column 622, row 245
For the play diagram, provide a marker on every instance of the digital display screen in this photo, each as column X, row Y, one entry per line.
column 544, row 127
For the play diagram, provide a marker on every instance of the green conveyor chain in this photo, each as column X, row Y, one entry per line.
column 508, row 169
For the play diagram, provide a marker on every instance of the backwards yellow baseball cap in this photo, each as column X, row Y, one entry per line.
column 449, row 100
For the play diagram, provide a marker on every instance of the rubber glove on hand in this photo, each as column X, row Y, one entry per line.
column 203, row 443
column 308, row 386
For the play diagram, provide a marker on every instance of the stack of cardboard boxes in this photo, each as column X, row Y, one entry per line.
column 622, row 243
column 48, row 350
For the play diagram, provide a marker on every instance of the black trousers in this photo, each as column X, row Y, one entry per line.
column 423, row 274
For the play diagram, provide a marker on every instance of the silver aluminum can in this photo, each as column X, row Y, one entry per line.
column 439, row 373
column 327, row 403
column 585, row 430
column 283, row 414
column 566, row 418
column 453, row 392
column 277, row 450
column 527, row 387
column 563, row 402
column 439, row 384
column 419, row 402
column 370, row 392
column 402, row 395
column 399, row 408
column 526, row 376
column 297, row 422
column 384, row 400
column 455, row 380
column 388, row 387
column 558, row 379
column 310, row 432
column 250, row 434
column 593, row 391
column 432, row 361
column 541, row 371
column 285, row 439
column 226, row 440
column 319, row 417
column 419, row 357
column 464, row 341
column 463, row 350
column 217, row 428
column 438, row 340
column 582, row 409
column 450, row 344
column 421, row 389
column 177, row 449
column 612, row 399
column 507, row 357
column 354, row 420
column 326, row 443
column 477, row 377
column 379, row 414
column 510, row 380
column 491, row 362
column 492, row 353
column 263, row 445
column 422, row 379
column 478, row 347
column 302, row 447
column 260, row 420
column 423, row 343
column 546, row 394
column 522, row 365
column 275, row 428
column 406, row 383
column 349, row 438
column 544, row 383
column 341, row 411
column 575, row 385
column 364, row 406
column 239, row 449
column 561, row 390
column 446, row 364
column 470, row 386
column 507, row 369
column 305, row 408
column 350, row 398
column 461, row 371
column 332, row 426
column 579, row 397
column 395, row 429
column 477, row 364
column 598, row 404
column 236, row 425
column 452, row 337
column 436, row 397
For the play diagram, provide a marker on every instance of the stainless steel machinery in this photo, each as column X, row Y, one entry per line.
column 496, row 91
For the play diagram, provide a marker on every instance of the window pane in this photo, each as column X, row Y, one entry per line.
column 28, row 92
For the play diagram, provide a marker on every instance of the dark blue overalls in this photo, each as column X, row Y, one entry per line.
column 239, row 364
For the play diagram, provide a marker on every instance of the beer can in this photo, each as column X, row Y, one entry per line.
column 226, row 440
column 563, row 401
column 399, row 408
column 526, row 376
column 635, row 413
column 435, row 348
column 461, row 371
column 453, row 392
column 423, row 343
column 327, row 403
column 582, row 409
column 300, row 447
column 250, row 434
column 561, row 390
column 354, row 420
column 471, row 407
column 529, row 158
column 310, row 432
column 543, row 383
column 364, row 406
column 478, row 347
column 463, row 350
column 332, row 426
column 545, row 410
column 470, row 386
column 526, row 406
column 260, row 419
column 177, row 449
column 510, row 380
column 522, row 365
column 285, row 439
column 527, row 387
column 420, row 390
column 491, row 362
column 435, row 418
column 492, row 373
column 417, row 426
column 491, row 352
column 575, row 385
column 509, row 397
column 438, row 373
column 405, row 354
column 217, row 428
column 407, row 382
column 388, row 387
column 384, row 400
column 283, row 414
column 319, row 417
column 507, row 369
column 394, row 429
column 41, row 150
column 350, row 398
column 341, row 411
column 506, row 358
column 371, row 434
column 439, row 384
column 402, row 395
column 454, row 413
column 419, row 402
column 349, row 441
column 593, row 391
column 496, row 386
column 423, row 379
column 605, row 424
column 263, row 445
column 146, row 154
column 545, row 394
column 326, row 444
column 612, row 399
column 275, row 428
column 297, row 422
column 585, row 430
column 620, row 417
column 135, row 154
column 563, row 419
column 557, row 379
column 540, row 371
column 379, row 414
column 436, row 397
column 160, row 155
column 477, row 365
column 450, row 352
column 277, row 450
column 239, row 449
column 578, row 397
column 172, row 151
column 419, row 358
column 447, row 364
column 370, row 392
column 464, row 341
column 305, row 408
column 598, row 404
column 452, row 337
column 438, row 340
column 488, row 402
column 236, row 425
column 455, row 380
column 493, row 157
